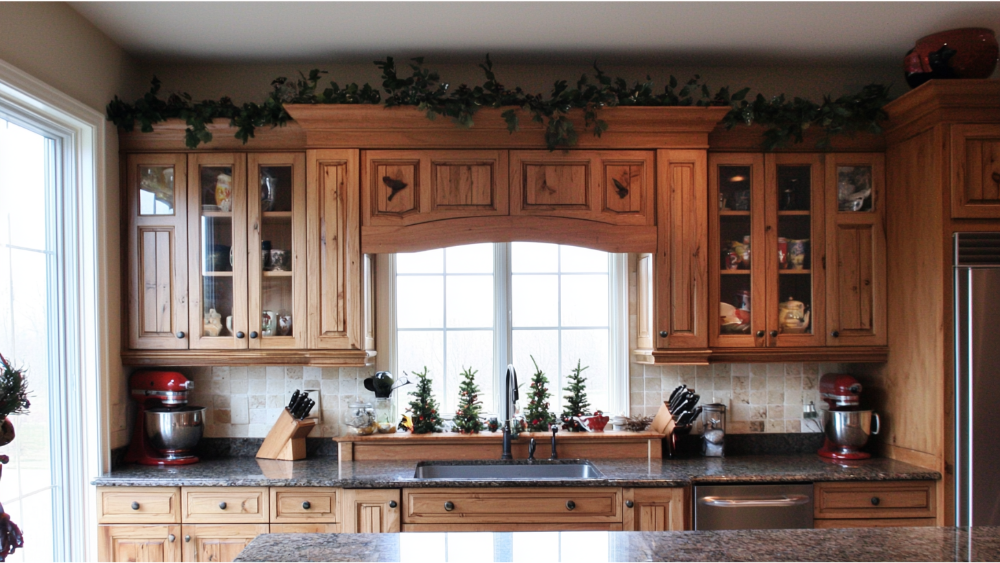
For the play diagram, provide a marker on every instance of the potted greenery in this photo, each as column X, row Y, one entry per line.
column 13, row 400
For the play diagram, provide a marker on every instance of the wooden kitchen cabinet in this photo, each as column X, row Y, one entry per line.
column 655, row 510
column 855, row 253
column 133, row 505
column 371, row 511
column 875, row 504
column 975, row 171
column 230, row 505
column 155, row 544
column 614, row 187
column 305, row 505
column 156, row 199
column 418, row 186
column 218, row 542
column 333, row 238
column 570, row 505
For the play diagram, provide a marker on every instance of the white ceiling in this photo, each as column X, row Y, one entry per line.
column 677, row 32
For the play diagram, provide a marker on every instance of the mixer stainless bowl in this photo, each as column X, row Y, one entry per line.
column 175, row 431
column 849, row 429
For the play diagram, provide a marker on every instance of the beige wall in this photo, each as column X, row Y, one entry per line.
column 248, row 82
column 56, row 45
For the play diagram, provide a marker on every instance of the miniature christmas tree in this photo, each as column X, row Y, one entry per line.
column 423, row 408
column 538, row 415
column 576, row 401
column 467, row 416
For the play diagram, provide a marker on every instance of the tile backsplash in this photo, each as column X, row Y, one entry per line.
column 758, row 397
column 243, row 402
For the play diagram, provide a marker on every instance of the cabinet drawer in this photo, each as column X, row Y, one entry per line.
column 901, row 499
column 134, row 505
column 224, row 505
column 305, row 504
column 875, row 523
column 430, row 506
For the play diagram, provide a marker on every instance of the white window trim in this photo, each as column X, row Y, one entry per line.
column 618, row 351
column 85, row 346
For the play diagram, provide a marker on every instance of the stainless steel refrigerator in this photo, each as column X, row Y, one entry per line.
column 977, row 379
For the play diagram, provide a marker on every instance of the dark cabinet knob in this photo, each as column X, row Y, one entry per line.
column 393, row 504
column 187, row 538
column 774, row 334
column 240, row 334
column 253, row 334
column 875, row 501
column 180, row 334
column 449, row 506
column 664, row 334
column 135, row 505
column 222, row 505
column 171, row 537
column 835, row 333
column 629, row 504
column 570, row 505
column 760, row 334
column 306, row 505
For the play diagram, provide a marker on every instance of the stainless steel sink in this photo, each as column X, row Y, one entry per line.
column 508, row 470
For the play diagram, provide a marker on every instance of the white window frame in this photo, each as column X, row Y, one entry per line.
column 618, row 395
column 82, row 355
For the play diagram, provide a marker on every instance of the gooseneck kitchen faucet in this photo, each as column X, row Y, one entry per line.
column 509, row 407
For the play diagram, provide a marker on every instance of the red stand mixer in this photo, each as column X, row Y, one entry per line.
column 846, row 428
column 167, row 429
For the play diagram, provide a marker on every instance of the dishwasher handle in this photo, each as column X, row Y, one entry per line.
column 784, row 500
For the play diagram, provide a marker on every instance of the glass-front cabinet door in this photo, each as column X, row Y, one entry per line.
column 217, row 263
column 794, row 236
column 737, row 257
column 276, row 203
column 157, row 239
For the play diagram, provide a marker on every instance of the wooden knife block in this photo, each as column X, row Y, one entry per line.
column 287, row 438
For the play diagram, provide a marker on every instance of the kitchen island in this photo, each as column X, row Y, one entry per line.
column 860, row 544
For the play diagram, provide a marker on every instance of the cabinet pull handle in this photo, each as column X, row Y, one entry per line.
column 774, row 334
column 875, row 501
column 222, row 505
column 135, row 505
column 171, row 537
column 629, row 504
column 187, row 539
column 835, row 334
column 996, row 177
column 306, row 505
column 664, row 334
column 253, row 334
column 240, row 334
column 449, row 506
column 570, row 505
column 760, row 334
column 392, row 504
column 180, row 334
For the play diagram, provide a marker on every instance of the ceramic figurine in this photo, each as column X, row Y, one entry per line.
column 213, row 323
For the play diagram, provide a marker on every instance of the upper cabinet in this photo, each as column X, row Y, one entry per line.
column 856, row 234
column 409, row 187
column 975, row 171
column 156, row 195
column 614, row 187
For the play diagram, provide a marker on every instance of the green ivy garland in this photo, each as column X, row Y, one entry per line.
column 785, row 120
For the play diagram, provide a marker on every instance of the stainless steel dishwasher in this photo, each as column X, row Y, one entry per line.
column 753, row 507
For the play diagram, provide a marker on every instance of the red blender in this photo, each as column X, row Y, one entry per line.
column 167, row 429
column 845, row 427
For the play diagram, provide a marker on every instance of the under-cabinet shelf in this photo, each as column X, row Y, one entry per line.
column 798, row 272
column 221, row 214
column 217, row 274
column 735, row 272
column 794, row 213
column 733, row 213
column 276, row 274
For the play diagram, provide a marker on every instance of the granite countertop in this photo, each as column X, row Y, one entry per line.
column 635, row 472
column 859, row 544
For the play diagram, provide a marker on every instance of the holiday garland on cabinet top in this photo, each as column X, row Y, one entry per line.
column 785, row 119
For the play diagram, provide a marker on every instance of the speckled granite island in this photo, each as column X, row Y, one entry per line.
column 638, row 472
column 861, row 544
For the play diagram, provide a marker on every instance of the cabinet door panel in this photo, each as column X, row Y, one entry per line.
column 334, row 250
column 645, row 301
column 218, row 542
column 217, row 257
column 371, row 511
column 654, row 510
column 157, row 250
column 975, row 171
column 855, row 255
column 681, row 259
column 139, row 543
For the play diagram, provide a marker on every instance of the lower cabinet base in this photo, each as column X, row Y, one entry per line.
column 876, row 523
column 555, row 527
column 306, row 528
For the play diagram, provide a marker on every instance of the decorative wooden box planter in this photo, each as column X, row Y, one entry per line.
column 451, row 446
